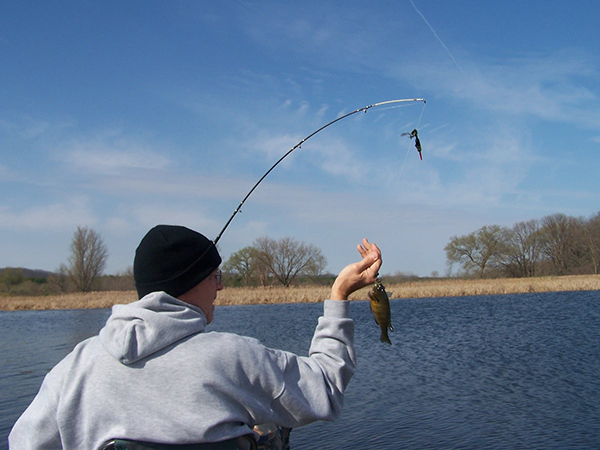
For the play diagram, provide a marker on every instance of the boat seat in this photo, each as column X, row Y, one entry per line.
column 241, row 443
column 271, row 437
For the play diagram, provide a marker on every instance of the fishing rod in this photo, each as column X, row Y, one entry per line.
column 299, row 144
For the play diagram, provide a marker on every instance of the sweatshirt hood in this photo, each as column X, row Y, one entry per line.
column 141, row 328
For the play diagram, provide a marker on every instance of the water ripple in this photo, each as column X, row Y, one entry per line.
column 496, row 372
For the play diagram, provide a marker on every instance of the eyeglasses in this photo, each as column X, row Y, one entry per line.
column 218, row 275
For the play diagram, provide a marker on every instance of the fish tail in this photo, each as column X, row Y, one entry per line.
column 384, row 337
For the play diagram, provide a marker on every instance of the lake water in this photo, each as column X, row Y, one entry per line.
column 495, row 372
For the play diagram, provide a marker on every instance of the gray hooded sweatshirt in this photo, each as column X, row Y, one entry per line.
column 154, row 374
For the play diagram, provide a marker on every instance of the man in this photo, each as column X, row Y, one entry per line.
column 154, row 375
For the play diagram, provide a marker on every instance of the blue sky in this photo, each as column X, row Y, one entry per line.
column 122, row 115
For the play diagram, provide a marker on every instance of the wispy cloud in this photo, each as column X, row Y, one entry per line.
column 273, row 146
column 549, row 87
column 55, row 216
column 335, row 36
column 28, row 128
column 150, row 214
column 334, row 157
column 330, row 155
column 108, row 155
column 171, row 185
column 9, row 175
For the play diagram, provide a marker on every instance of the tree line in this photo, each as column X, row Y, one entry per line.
column 83, row 271
column 554, row 245
column 268, row 261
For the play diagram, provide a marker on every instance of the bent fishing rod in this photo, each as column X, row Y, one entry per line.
column 298, row 145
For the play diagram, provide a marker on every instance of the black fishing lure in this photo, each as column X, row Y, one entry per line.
column 415, row 134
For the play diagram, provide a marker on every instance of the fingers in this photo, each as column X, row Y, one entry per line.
column 370, row 264
column 359, row 274
column 367, row 248
column 364, row 248
column 372, row 272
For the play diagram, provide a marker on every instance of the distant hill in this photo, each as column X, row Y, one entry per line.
column 30, row 273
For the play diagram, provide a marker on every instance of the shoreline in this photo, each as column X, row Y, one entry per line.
column 432, row 288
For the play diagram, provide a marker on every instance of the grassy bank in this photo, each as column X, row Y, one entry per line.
column 310, row 294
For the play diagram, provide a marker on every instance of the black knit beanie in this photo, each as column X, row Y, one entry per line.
column 173, row 259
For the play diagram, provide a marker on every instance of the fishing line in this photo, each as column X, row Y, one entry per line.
column 299, row 144
column 393, row 185
column 437, row 37
column 448, row 52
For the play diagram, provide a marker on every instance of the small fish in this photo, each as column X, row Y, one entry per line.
column 415, row 134
column 380, row 307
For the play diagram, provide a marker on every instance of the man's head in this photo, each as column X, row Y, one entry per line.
column 173, row 259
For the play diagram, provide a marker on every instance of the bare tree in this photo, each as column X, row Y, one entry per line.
column 316, row 266
column 60, row 278
column 462, row 250
column 243, row 262
column 88, row 258
column 556, row 244
column 288, row 258
column 477, row 250
column 523, row 249
column 592, row 238
column 559, row 241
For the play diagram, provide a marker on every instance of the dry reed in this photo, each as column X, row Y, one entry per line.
column 78, row 300
column 312, row 294
column 457, row 287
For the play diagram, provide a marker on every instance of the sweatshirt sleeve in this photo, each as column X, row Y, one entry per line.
column 313, row 387
column 37, row 428
column 333, row 342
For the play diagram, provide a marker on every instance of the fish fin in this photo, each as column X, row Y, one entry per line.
column 384, row 337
